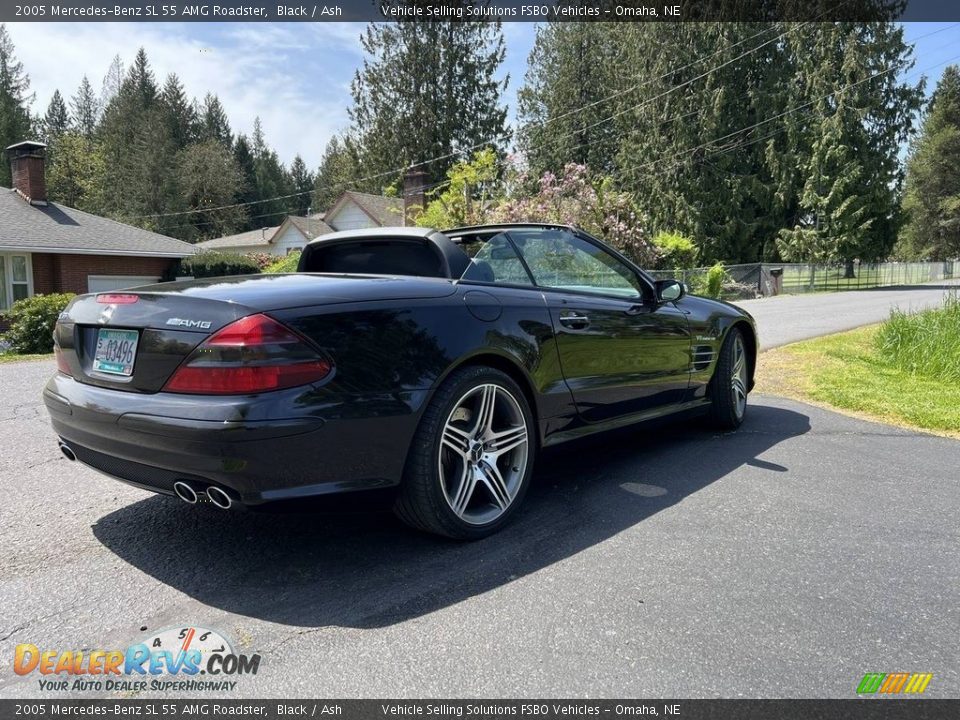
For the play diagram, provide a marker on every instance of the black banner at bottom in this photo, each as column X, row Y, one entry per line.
column 854, row 709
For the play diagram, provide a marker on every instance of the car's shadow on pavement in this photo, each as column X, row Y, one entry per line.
column 368, row 570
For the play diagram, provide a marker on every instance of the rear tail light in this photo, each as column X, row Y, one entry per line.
column 62, row 364
column 254, row 354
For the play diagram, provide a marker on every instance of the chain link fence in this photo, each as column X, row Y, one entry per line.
column 740, row 282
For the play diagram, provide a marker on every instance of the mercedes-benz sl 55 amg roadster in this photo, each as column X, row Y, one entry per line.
column 432, row 366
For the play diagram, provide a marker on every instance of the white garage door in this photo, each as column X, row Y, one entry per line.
column 106, row 283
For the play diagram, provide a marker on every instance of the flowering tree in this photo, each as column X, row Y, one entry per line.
column 593, row 204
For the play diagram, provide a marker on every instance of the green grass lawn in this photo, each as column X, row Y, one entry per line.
column 13, row 357
column 905, row 371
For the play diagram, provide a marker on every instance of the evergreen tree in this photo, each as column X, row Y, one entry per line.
column 339, row 168
column 112, row 81
column 86, row 109
column 859, row 117
column 214, row 124
column 571, row 66
column 208, row 177
column 932, row 196
column 247, row 187
column 56, row 121
column 427, row 90
column 272, row 182
column 302, row 182
column 15, row 122
column 178, row 112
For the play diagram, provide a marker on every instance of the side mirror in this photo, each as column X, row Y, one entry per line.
column 670, row 290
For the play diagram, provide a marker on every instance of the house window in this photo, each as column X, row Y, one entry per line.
column 16, row 281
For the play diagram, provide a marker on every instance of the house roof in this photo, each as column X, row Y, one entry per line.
column 385, row 211
column 57, row 228
column 309, row 227
column 251, row 238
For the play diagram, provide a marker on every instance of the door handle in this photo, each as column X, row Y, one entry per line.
column 574, row 320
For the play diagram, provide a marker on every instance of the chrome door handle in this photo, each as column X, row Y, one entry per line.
column 574, row 321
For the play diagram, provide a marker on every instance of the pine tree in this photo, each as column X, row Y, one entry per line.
column 86, row 109
column 932, row 195
column 208, row 177
column 427, row 90
column 15, row 123
column 178, row 112
column 247, row 187
column 570, row 72
column 859, row 117
column 272, row 182
column 302, row 182
column 214, row 124
column 112, row 81
column 56, row 121
column 77, row 175
column 339, row 168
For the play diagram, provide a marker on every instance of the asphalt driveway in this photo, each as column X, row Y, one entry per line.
column 786, row 559
column 790, row 318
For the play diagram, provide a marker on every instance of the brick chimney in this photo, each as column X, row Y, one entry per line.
column 26, row 167
column 414, row 194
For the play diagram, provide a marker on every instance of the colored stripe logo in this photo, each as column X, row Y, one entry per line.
column 893, row 683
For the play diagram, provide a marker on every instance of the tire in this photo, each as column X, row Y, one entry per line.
column 468, row 467
column 728, row 386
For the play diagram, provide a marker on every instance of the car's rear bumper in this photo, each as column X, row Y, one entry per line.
column 271, row 447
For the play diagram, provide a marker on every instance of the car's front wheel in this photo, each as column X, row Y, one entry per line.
column 728, row 388
column 471, row 458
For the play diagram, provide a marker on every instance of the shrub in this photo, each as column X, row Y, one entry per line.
column 676, row 250
column 284, row 265
column 262, row 259
column 215, row 264
column 927, row 343
column 710, row 283
column 31, row 323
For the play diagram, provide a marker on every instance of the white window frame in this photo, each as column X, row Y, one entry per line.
column 8, row 276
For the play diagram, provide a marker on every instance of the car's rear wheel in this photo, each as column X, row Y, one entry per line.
column 728, row 387
column 471, row 458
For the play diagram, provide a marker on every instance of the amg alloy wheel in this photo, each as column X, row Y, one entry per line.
column 730, row 383
column 471, row 458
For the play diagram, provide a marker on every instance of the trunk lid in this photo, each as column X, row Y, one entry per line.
column 169, row 320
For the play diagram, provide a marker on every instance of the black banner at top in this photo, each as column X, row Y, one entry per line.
column 469, row 11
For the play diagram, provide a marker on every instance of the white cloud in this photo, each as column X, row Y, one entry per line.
column 295, row 77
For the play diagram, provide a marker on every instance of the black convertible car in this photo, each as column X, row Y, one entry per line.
column 432, row 366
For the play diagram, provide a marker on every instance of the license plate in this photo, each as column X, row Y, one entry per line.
column 116, row 351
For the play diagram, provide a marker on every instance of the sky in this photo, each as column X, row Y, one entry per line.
column 294, row 76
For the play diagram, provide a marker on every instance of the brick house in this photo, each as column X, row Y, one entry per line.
column 48, row 248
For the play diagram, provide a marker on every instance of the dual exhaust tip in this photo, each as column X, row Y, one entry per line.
column 190, row 495
column 183, row 490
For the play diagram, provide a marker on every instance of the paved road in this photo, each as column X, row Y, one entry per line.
column 790, row 318
column 786, row 559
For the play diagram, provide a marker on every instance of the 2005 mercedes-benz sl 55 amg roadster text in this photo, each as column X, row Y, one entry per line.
column 428, row 365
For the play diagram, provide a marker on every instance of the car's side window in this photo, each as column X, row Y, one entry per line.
column 559, row 259
column 494, row 260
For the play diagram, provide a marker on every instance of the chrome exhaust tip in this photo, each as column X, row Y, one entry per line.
column 67, row 452
column 185, row 492
column 219, row 497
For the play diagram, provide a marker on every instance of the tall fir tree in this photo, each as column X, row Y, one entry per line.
column 112, row 81
column 427, row 90
column 272, row 181
column 338, row 171
column 570, row 73
column 301, row 180
column 214, row 124
column 56, row 121
column 85, row 109
column 932, row 195
column 15, row 100
column 178, row 112
column 247, row 188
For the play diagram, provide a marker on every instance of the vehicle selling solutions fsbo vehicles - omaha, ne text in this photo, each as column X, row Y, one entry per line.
column 425, row 365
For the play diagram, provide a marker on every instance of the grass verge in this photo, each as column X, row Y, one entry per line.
column 13, row 357
column 851, row 372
